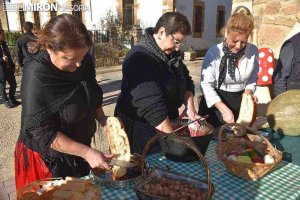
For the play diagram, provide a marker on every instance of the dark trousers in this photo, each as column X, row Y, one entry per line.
column 231, row 99
column 7, row 74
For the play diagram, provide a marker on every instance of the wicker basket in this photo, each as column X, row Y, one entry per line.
column 252, row 171
column 29, row 191
column 208, row 183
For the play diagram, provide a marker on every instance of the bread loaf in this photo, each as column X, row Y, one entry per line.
column 247, row 110
column 118, row 143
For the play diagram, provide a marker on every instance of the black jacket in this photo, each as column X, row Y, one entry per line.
column 4, row 50
column 287, row 72
column 152, row 88
column 26, row 47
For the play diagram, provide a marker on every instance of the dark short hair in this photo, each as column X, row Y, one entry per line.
column 64, row 32
column 173, row 22
column 28, row 26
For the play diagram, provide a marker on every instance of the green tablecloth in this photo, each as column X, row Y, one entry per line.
column 289, row 145
column 282, row 184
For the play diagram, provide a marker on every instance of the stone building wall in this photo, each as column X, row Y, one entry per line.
column 275, row 21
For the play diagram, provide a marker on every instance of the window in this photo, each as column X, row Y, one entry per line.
column 36, row 16
column 22, row 18
column 220, row 24
column 198, row 19
column 77, row 12
column 168, row 6
column 128, row 14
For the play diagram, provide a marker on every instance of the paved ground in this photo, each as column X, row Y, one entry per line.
column 110, row 81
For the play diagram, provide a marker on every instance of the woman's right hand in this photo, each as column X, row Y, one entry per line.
column 227, row 115
column 97, row 159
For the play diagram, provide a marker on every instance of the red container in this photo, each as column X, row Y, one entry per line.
column 266, row 67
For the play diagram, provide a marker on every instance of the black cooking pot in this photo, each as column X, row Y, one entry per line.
column 175, row 150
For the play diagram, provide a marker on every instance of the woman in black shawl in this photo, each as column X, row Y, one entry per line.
column 155, row 82
column 61, row 100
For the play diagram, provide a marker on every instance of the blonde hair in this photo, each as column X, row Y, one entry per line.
column 241, row 21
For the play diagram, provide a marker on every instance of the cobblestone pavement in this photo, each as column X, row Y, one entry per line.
column 110, row 81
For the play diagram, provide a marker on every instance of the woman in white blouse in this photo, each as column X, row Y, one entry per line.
column 229, row 69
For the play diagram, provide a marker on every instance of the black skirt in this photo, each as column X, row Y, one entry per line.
column 231, row 99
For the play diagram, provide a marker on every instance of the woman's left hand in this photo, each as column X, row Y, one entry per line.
column 100, row 116
column 254, row 98
column 102, row 120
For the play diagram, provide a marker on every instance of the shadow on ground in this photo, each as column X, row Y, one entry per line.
column 110, row 90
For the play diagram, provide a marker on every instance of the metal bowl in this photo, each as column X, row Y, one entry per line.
column 133, row 175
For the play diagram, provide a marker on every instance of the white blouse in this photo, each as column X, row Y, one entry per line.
column 245, row 74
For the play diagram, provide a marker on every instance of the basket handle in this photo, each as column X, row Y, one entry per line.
column 190, row 145
column 255, row 132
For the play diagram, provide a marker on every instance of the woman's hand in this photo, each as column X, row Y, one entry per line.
column 97, row 159
column 192, row 114
column 100, row 116
column 102, row 120
column 227, row 115
column 190, row 107
column 254, row 98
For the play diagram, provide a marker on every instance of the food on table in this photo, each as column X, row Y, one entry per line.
column 194, row 130
column 283, row 113
column 268, row 159
column 69, row 189
column 244, row 159
column 118, row 143
column 261, row 122
column 249, row 155
column 247, row 110
column 232, row 157
column 172, row 189
column 29, row 196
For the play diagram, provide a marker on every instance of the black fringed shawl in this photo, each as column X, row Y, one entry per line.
column 46, row 91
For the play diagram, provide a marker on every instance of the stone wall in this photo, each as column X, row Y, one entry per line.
column 275, row 21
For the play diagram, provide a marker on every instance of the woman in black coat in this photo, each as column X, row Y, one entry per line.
column 60, row 102
column 155, row 82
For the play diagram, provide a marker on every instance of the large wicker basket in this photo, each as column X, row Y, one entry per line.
column 29, row 191
column 252, row 171
column 148, row 174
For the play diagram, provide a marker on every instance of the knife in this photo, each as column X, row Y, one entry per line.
column 122, row 163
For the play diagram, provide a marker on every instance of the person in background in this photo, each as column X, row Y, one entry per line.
column 92, row 49
column 287, row 72
column 7, row 71
column 36, row 30
column 155, row 82
column 229, row 70
column 26, row 45
column 286, row 77
column 61, row 100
